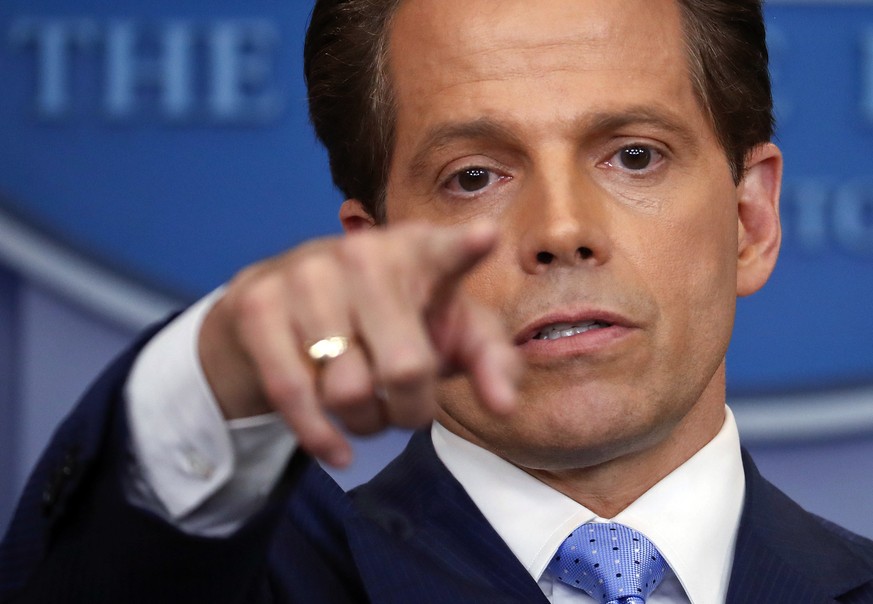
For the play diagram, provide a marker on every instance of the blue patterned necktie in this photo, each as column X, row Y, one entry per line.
column 612, row 563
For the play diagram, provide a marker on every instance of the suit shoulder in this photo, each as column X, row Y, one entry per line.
column 859, row 545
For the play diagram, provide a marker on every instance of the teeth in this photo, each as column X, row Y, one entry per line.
column 565, row 330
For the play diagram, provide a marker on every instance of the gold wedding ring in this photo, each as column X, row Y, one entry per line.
column 328, row 348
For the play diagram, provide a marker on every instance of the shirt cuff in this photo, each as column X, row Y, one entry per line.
column 186, row 451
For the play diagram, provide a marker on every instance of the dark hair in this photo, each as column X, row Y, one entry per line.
column 728, row 61
column 352, row 109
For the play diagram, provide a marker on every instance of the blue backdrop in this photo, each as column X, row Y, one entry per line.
column 169, row 140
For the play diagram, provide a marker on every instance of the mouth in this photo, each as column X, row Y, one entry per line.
column 574, row 333
column 556, row 331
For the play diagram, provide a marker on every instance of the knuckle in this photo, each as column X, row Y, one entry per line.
column 309, row 272
column 349, row 249
column 283, row 390
column 342, row 394
column 360, row 255
column 405, row 367
column 256, row 298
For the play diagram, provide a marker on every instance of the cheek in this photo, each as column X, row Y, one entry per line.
column 696, row 279
column 712, row 240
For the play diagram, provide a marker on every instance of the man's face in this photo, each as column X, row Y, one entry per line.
column 574, row 127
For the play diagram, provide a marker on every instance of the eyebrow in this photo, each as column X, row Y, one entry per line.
column 444, row 135
column 609, row 122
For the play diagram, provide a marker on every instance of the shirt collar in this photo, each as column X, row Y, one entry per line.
column 691, row 515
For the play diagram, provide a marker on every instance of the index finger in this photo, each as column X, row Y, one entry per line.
column 446, row 254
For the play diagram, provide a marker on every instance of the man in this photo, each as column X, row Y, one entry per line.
column 552, row 208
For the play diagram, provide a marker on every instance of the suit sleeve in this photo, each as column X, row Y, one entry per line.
column 75, row 538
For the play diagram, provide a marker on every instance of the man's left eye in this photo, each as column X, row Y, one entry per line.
column 636, row 158
column 474, row 179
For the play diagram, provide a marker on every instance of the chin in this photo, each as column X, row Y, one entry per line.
column 572, row 428
column 573, row 449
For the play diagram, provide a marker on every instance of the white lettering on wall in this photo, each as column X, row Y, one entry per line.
column 222, row 71
column 239, row 82
column 52, row 42
column 853, row 217
column 818, row 217
column 128, row 72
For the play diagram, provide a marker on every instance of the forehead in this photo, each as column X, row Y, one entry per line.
column 483, row 55
column 454, row 28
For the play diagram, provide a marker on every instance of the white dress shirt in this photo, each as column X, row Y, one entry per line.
column 207, row 476
column 691, row 516
column 196, row 470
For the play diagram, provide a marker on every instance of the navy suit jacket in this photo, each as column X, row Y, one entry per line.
column 411, row 535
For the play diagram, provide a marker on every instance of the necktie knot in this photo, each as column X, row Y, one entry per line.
column 612, row 563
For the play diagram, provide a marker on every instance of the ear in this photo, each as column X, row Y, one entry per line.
column 760, row 233
column 354, row 217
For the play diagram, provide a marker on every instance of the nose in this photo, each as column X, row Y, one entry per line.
column 563, row 222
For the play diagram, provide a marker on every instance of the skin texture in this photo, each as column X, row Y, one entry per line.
column 566, row 173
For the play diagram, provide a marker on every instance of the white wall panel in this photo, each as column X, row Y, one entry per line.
column 63, row 348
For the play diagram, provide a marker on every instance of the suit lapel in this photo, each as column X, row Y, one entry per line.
column 441, row 548
column 787, row 555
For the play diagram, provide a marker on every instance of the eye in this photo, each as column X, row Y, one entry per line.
column 472, row 180
column 635, row 158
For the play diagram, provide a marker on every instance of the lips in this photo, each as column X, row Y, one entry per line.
column 557, row 326
column 565, row 330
